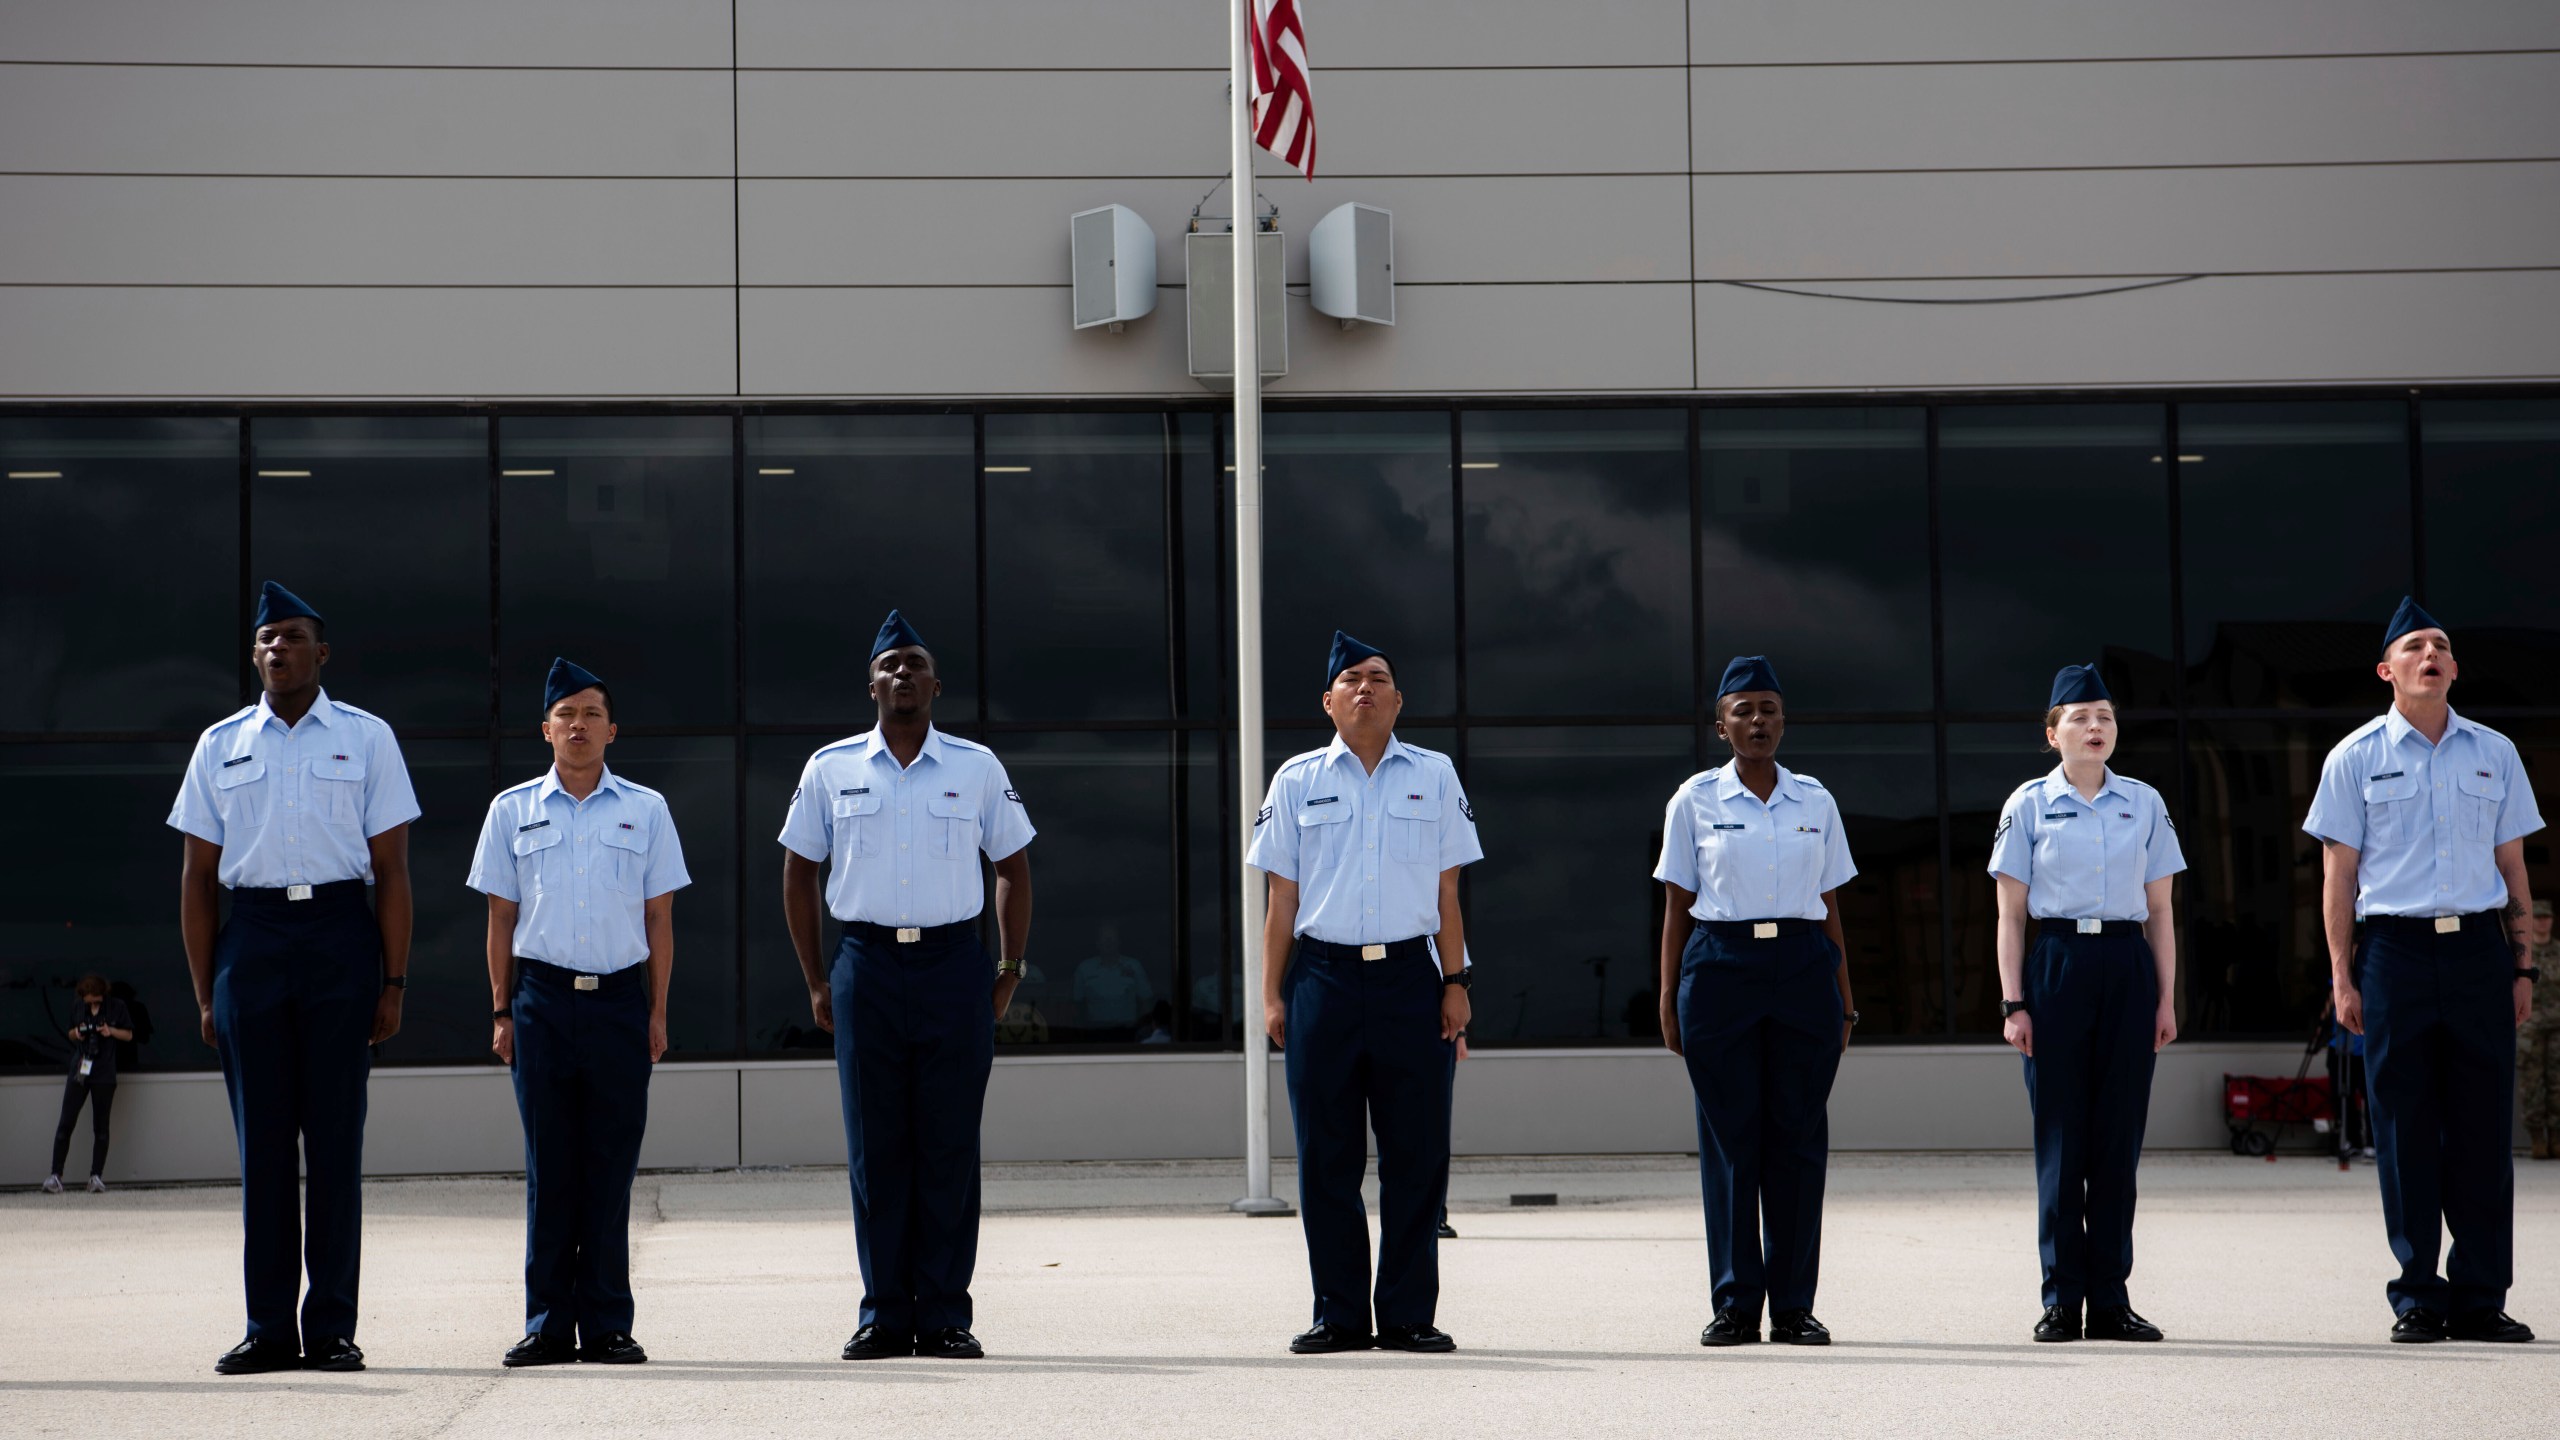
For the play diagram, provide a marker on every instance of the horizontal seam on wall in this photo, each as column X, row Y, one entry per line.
column 1293, row 286
column 1208, row 70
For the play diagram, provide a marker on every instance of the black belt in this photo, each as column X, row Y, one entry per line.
column 2431, row 924
column 551, row 974
column 2053, row 925
column 280, row 894
column 1732, row 931
column 909, row 934
column 1418, row 946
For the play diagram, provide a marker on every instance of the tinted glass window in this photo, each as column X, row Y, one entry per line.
column 1076, row 565
column 1104, row 939
column 445, row 1017
column 2493, row 536
column 615, row 552
column 1577, row 562
column 778, row 1020
column 2296, row 549
column 2256, row 961
column 1884, row 778
column 153, row 505
column 849, row 517
column 408, row 622
column 1356, row 536
column 1814, row 552
column 2055, row 525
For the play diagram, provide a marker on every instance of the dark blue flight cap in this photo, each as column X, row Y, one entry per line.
column 1749, row 672
column 2077, row 685
column 2407, row 618
column 566, row 680
column 895, row 633
column 277, row 603
column 1348, row 652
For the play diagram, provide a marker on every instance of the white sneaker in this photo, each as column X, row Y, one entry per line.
column 53, row 1184
column 97, row 1186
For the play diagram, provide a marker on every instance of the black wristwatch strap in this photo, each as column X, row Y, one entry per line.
column 2529, row 972
column 508, row 1013
column 2012, row 1007
column 396, row 982
column 1464, row 980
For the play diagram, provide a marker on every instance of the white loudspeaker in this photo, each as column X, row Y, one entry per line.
column 1351, row 265
column 1209, row 291
column 1113, row 255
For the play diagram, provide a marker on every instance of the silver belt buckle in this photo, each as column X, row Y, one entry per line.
column 587, row 982
column 1373, row 952
column 2448, row 924
column 909, row 934
column 1764, row 929
column 297, row 892
column 2092, row 927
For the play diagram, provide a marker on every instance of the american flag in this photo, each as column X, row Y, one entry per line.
column 1284, row 110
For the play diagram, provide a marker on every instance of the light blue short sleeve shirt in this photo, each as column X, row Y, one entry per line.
column 902, row 843
column 1749, row 859
column 2424, row 818
column 294, row 806
column 581, row 872
column 2086, row 859
column 1365, row 849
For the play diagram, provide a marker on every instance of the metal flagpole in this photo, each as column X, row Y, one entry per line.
column 1258, row 1199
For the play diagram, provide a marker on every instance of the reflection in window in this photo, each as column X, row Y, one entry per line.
column 2297, row 548
column 1814, row 552
column 93, row 888
column 2055, row 522
column 1076, row 599
column 615, row 552
column 1577, row 562
column 1356, row 537
column 2256, row 961
column 1985, row 762
column 1884, row 778
column 1563, row 914
column 445, row 1017
column 778, row 1019
column 1109, row 961
column 123, row 609
column 2493, row 537
column 408, row 622
column 849, row 517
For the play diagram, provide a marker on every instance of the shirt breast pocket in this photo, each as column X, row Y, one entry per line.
column 2390, row 810
column 626, row 858
column 240, row 795
column 1321, row 829
column 858, row 824
column 533, row 860
column 337, row 789
column 1413, row 829
column 955, row 826
column 2481, row 798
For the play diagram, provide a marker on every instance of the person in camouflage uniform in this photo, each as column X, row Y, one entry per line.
column 2538, row 1047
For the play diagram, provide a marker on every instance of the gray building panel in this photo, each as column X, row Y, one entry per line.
column 565, row 33
column 268, row 341
column 1835, row 32
column 2143, row 222
column 197, row 230
column 2236, row 112
column 148, row 119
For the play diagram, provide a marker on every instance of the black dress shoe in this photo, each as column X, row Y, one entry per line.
column 336, row 1353
column 615, row 1348
column 2494, row 1326
column 2058, row 1324
column 1447, row 1231
column 2120, row 1323
column 1326, row 1339
column 950, row 1343
column 1420, row 1339
column 1796, row 1327
column 537, row 1348
column 258, row 1357
column 2420, row 1326
column 872, row 1343
column 1729, row 1328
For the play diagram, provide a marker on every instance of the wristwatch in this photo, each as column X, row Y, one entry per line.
column 1851, row 1017
column 2012, row 1007
column 2529, row 972
column 1013, row 966
column 396, row 982
column 507, row 1013
column 1464, row 980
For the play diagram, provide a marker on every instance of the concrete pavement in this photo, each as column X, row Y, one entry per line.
column 1120, row 1300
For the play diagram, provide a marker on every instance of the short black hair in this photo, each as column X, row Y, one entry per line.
column 598, row 688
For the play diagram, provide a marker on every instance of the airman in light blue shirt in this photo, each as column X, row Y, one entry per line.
column 902, row 842
column 294, row 804
column 579, row 871
column 2086, row 859
column 1365, row 849
column 2424, row 818
column 1749, row 859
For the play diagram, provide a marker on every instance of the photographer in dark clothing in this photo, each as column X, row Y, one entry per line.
column 99, row 1021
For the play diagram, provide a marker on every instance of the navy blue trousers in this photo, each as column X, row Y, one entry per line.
column 582, row 1086
column 2091, row 1000
column 915, row 1040
column 1760, row 1032
column 1364, row 1050
column 2440, row 1072
column 295, row 984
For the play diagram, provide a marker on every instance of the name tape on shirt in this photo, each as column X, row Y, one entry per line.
column 1324, row 800
column 2060, row 814
column 1727, row 826
column 856, row 790
column 238, row 760
column 536, row 825
column 2389, row 775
